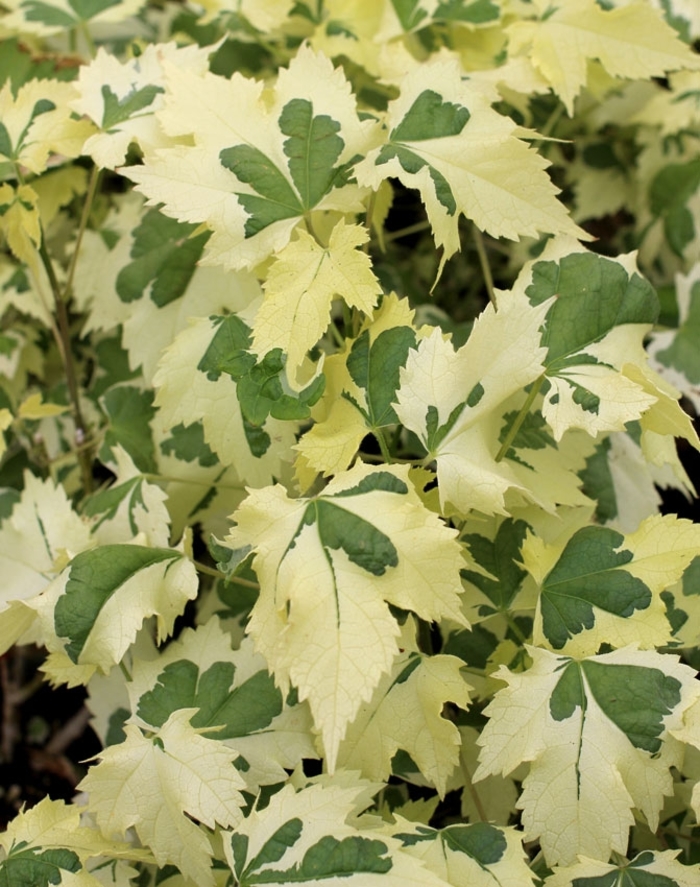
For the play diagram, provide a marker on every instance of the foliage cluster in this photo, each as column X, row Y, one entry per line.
column 341, row 358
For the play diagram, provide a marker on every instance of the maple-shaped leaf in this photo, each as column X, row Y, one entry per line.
column 131, row 507
column 465, row 158
column 150, row 282
column 308, row 837
column 598, row 734
column 195, row 382
column 655, row 868
column 300, row 286
column 121, row 98
column 630, row 41
column 95, row 608
column 253, row 175
column 361, row 385
column 235, row 698
column 595, row 327
column 452, row 400
column 405, row 712
column 46, row 17
column 601, row 587
column 37, row 122
column 154, row 783
column 38, row 538
column 19, row 222
column 497, row 575
column 328, row 569
column 52, row 843
column 479, row 854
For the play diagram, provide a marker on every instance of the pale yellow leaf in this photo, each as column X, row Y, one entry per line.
column 300, row 286
column 632, row 41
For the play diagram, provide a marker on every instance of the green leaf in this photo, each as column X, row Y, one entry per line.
column 248, row 707
column 500, row 558
column 478, row 12
column 313, row 147
column 228, row 350
column 275, row 198
column 376, row 369
column 683, row 353
column 187, row 444
column 329, row 858
column 363, row 543
column 483, row 842
column 670, row 190
column 118, row 110
column 130, row 411
column 587, row 576
column 430, row 117
column 163, row 255
column 594, row 294
column 95, row 576
column 35, row 868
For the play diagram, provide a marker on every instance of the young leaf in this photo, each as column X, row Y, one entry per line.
column 597, row 732
column 361, row 385
column 328, row 568
column 630, row 41
column 301, row 283
column 446, row 141
column 255, row 174
column 153, row 784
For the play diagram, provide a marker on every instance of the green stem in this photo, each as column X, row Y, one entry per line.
column 84, row 218
column 513, row 626
column 383, row 446
column 520, row 418
column 484, row 262
column 403, row 232
column 64, row 344
column 125, row 672
column 480, row 809
column 368, row 218
column 85, row 31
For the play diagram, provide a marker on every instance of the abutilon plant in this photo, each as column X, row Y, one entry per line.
column 341, row 363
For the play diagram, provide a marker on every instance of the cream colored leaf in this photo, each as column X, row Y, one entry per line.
column 251, row 176
column 121, row 98
column 595, row 753
column 36, row 541
column 464, row 158
column 453, row 399
column 328, row 569
column 632, row 41
column 153, row 784
column 657, row 866
column 405, row 713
